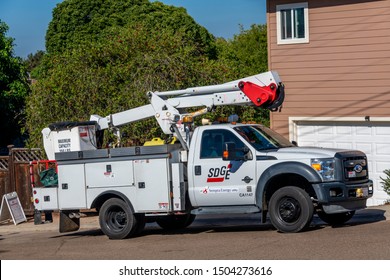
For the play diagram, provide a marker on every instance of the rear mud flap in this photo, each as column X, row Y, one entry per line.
column 68, row 224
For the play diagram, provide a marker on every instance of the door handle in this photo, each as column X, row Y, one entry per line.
column 198, row 170
column 247, row 179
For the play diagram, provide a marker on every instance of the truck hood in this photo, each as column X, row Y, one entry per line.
column 304, row 152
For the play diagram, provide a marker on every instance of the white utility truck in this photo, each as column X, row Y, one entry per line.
column 220, row 168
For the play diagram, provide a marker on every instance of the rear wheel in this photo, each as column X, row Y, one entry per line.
column 175, row 221
column 116, row 219
column 336, row 219
column 291, row 209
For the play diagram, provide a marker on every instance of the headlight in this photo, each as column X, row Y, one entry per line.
column 324, row 167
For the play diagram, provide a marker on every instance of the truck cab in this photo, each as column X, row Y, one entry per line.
column 243, row 168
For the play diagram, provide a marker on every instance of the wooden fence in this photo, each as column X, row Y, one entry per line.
column 15, row 175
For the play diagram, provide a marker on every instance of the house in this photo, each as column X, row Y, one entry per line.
column 334, row 59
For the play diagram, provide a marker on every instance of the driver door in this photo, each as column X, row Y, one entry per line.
column 218, row 182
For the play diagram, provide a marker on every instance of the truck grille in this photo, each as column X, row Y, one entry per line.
column 355, row 168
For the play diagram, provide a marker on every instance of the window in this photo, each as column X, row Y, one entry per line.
column 213, row 142
column 262, row 138
column 292, row 21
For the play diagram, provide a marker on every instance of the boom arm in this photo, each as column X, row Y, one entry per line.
column 263, row 90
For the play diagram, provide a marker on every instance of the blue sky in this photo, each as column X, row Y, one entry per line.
column 28, row 19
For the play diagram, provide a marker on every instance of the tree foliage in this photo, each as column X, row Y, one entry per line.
column 78, row 21
column 246, row 53
column 13, row 90
column 103, row 56
column 385, row 182
column 33, row 61
column 114, row 74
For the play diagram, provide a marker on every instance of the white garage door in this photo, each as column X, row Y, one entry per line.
column 371, row 138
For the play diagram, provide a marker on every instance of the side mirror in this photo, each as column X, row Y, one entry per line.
column 294, row 143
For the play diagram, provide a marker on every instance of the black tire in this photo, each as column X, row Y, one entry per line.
column 117, row 219
column 174, row 222
column 291, row 209
column 336, row 219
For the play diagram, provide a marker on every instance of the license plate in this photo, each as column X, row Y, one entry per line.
column 361, row 192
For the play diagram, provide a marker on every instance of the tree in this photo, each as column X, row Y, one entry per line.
column 247, row 52
column 13, row 90
column 114, row 74
column 33, row 61
column 103, row 56
column 78, row 21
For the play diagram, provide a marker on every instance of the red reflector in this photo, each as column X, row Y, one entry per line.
column 36, row 200
column 35, row 192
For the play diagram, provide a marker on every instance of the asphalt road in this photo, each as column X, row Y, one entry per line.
column 241, row 237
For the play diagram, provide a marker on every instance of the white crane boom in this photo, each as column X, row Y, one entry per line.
column 262, row 90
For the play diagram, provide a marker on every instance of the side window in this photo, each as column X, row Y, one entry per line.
column 208, row 146
column 213, row 141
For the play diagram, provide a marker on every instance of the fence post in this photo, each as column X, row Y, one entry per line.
column 4, row 175
column 11, row 170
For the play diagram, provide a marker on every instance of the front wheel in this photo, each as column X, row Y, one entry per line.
column 336, row 219
column 291, row 209
column 117, row 219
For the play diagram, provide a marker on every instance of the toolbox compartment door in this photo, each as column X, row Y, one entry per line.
column 152, row 181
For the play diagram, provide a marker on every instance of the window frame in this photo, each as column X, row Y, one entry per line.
column 280, row 8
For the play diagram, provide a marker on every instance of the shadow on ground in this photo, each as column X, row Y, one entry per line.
column 240, row 223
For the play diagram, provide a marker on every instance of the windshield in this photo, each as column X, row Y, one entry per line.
column 262, row 138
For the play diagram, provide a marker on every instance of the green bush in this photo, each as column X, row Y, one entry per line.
column 386, row 182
